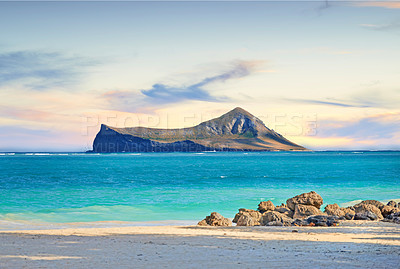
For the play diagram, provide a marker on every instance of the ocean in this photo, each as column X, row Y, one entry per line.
column 172, row 187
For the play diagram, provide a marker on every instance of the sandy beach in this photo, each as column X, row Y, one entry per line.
column 353, row 244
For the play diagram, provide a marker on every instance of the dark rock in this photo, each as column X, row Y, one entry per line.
column 300, row 222
column 311, row 198
column 266, row 206
column 323, row 220
column 303, row 211
column 276, row 223
column 215, row 219
column 394, row 217
column 349, row 216
column 365, row 215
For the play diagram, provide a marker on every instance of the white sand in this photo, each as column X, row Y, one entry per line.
column 353, row 245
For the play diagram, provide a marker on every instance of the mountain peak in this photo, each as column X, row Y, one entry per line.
column 234, row 130
column 239, row 111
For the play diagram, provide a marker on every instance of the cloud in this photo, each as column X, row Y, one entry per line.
column 162, row 94
column 24, row 114
column 383, row 27
column 41, row 70
column 384, row 4
column 377, row 127
column 366, row 98
column 322, row 102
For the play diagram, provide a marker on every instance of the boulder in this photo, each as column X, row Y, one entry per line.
column 303, row 211
column 202, row 223
column 215, row 219
column 392, row 203
column 371, row 202
column 366, row 215
column 266, row 206
column 276, row 223
column 348, row 210
column 250, row 213
column 334, row 210
column 323, row 220
column 363, row 208
column 310, row 198
column 340, row 212
column 300, row 222
column 394, row 217
column 349, row 216
column 285, row 210
column 274, row 216
column 246, row 220
column 387, row 210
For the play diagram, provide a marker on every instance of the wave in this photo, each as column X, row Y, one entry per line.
column 351, row 203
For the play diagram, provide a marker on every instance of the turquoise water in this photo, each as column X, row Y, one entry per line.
column 183, row 186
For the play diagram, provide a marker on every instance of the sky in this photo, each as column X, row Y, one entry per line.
column 325, row 74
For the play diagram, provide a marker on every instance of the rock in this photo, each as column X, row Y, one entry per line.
column 285, row 210
column 310, row 198
column 246, row 220
column 303, row 211
column 266, row 206
column 215, row 219
column 272, row 216
column 342, row 213
column 364, row 207
column 276, row 223
column 376, row 203
column 349, row 216
column 334, row 210
column 394, row 217
column 366, row 215
column 323, row 220
column 253, row 214
column 392, row 203
column 202, row 223
column 348, row 210
column 282, row 208
column 387, row 210
column 300, row 222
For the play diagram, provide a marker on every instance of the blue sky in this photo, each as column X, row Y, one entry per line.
column 66, row 67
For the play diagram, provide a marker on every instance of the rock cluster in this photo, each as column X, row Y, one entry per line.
column 304, row 210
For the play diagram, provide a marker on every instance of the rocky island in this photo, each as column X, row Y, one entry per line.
column 237, row 130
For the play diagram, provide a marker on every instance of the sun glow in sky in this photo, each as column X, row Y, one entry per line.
column 324, row 74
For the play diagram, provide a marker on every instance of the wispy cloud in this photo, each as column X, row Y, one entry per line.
column 161, row 94
column 382, row 126
column 384, row 4
column 383, row 27
column 322, row 102
column 366, row 98
column 41, row 70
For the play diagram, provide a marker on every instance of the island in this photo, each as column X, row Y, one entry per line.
column 237, row 130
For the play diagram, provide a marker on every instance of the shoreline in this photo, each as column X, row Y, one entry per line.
column 355, row 244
